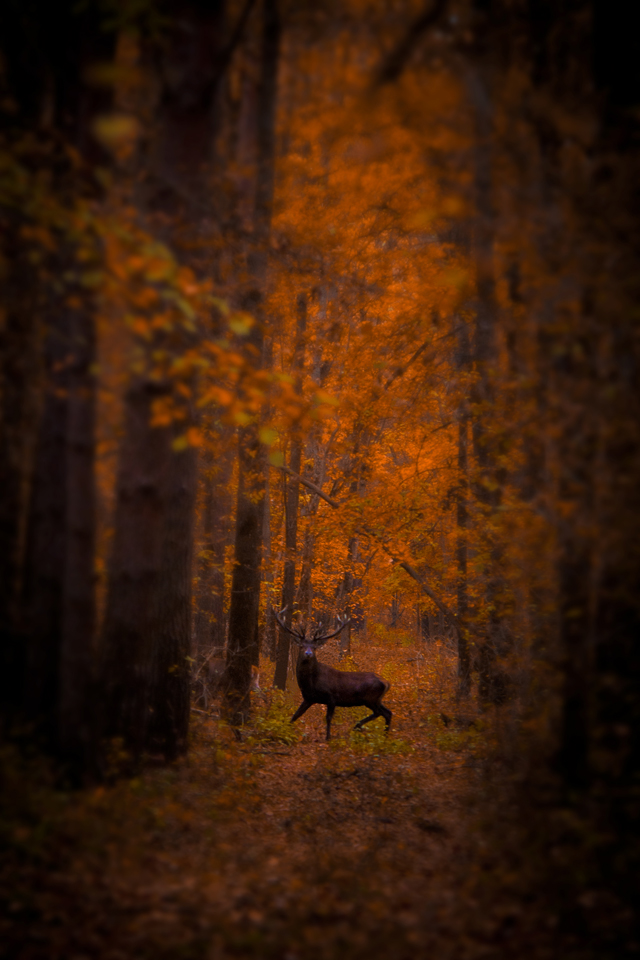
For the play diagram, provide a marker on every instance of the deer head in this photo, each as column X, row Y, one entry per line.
column 310, row 640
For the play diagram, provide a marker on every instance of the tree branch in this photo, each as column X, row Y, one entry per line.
column 429, row 592
column 307, row 483
column 236, row 37
column 400, row 371
column 395, row 61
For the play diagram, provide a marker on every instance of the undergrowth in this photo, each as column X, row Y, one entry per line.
column 373, row 739
column 273, row 723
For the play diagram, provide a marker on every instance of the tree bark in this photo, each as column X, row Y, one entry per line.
column 170, row 687
column 291, row 502
column 46, row 546
column 242, row 648
column 462, row 522
column 495, row 643
column 134, row 569
column 215, row 471
column 21, row 377
column 75, row 733
column 292, row 494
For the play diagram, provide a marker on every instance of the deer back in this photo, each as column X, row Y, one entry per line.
column 320, row 683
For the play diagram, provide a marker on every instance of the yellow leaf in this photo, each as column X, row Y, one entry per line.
column 240, row 323
column 180, row 443
column 322, row 397
column 115, row 130
column 268, row 436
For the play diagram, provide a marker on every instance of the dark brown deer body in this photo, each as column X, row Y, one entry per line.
column 320, row 683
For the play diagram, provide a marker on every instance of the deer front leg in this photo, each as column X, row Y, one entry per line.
column 304, row 706
column 330, row 711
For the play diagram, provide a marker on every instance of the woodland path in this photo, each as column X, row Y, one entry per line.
column 257, row 850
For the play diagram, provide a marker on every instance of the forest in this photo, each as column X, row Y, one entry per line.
column 319, row 391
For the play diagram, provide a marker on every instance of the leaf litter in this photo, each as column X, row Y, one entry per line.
column 266, row 848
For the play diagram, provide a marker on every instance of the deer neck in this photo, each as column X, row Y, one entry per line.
column 306, row 670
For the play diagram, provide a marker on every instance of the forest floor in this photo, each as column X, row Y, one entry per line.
column 282, row 846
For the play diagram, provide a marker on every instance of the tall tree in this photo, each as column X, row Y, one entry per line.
column 242, row 648
column 291, row 497
column 63, row 48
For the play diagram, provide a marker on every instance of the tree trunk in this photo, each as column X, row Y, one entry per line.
column 134, row 569
column 75, row 733
column 291, row 501
column 209, row 626
column 20, row 385
column 348, row 584
column 242, row 648
column 488, row 486
column 464, row 659
column 270, row 637
column 292, row 494
column 45, row 551
column 170, row 687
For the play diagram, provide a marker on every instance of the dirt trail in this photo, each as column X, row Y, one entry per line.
column 260, row 850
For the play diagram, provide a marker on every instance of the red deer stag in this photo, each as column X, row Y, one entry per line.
column 320, row 683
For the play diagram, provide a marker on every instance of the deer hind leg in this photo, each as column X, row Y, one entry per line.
column 330, row 711
column 378, row 711
column 386, row 713
column 304, row 706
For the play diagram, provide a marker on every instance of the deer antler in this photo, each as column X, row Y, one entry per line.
column 300, row 636
column 322, row 640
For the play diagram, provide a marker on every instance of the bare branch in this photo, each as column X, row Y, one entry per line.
column 395, row 61
column 308, row 484
column 234, row 41
column 400, row 371
column 429, row 592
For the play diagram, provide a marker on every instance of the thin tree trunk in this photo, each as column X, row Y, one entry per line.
column 75, row 732
column 462, row 522
column 216, row 466
column 270, row 626
column 292, row 494
column 292, row 497
column 304, row 595
column 347, row 591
